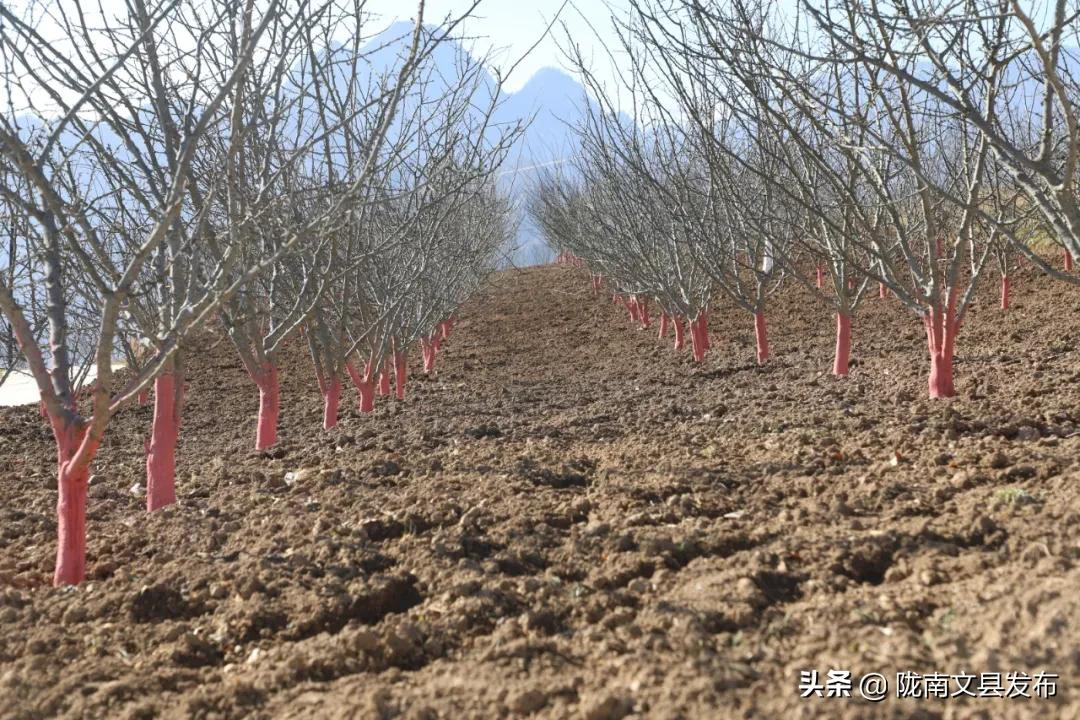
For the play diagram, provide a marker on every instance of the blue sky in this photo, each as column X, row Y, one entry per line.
column 510, row 27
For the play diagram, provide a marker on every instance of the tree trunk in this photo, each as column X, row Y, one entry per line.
column 643, row 313
column 1068, row 261
column 663, row 326
column 384, row 377
column 699, row 335
column 882, row 291
column 761, row 337
column 161, row 451
column 428, row 348
column 1006, row 285
column 72, row 481
column 941, row 328
column 331, row 392
column 680, row 333
column 820, row 276
column 269, row 407
column 364, row 385
column 843, row 344
column 400, row 373
column 941, row 375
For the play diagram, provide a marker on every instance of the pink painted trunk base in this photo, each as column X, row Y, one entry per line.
column 161, row 450
column 331, row 392
column 843, row 345
column 761, row 337
column 72, row 482
column 269, row 407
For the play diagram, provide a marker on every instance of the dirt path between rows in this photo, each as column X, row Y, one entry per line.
column 571, row 520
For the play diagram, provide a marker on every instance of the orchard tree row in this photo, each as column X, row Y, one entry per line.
column 270, row 167
column 899, row 148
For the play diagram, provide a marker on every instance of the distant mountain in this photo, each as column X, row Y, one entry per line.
column 551, row 101
column 554, row 103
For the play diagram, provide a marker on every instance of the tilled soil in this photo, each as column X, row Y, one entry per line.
column 571, row 520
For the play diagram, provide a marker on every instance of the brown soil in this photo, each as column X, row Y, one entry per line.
column 572, row 521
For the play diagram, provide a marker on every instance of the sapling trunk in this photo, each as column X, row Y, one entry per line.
column 331, row 392
column 400, row 373
column 882, row 291
column 1006, row 286
column 161, row 450
column 269, row 406
column 384, row 377
column 700, row 335
column 820, row 276
column 703, row 321
column 761, row 336
column 428, row 348
column 843, row 344
column 941, row 328
column 365, row 385
column 72, row 481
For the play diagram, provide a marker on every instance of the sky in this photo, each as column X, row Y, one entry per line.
column 508, row 28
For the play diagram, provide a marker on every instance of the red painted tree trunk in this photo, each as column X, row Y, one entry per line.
column 635, row 311
column 1006, row 285
column 331, row 392
column 384, row 377
column 400, row 374
column 843, row 345
column 699, row 336
column 269, row 407
column 161, row 450
column 663, row 326
column 1068, row 261
column 820, row 276
column 430, row 348
column 697, row 347
column 680, row 333
column 761, row 336
column 364, row 385
column 643, row 313
column 941, row 329
column 72, row 481
column 882, row 291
